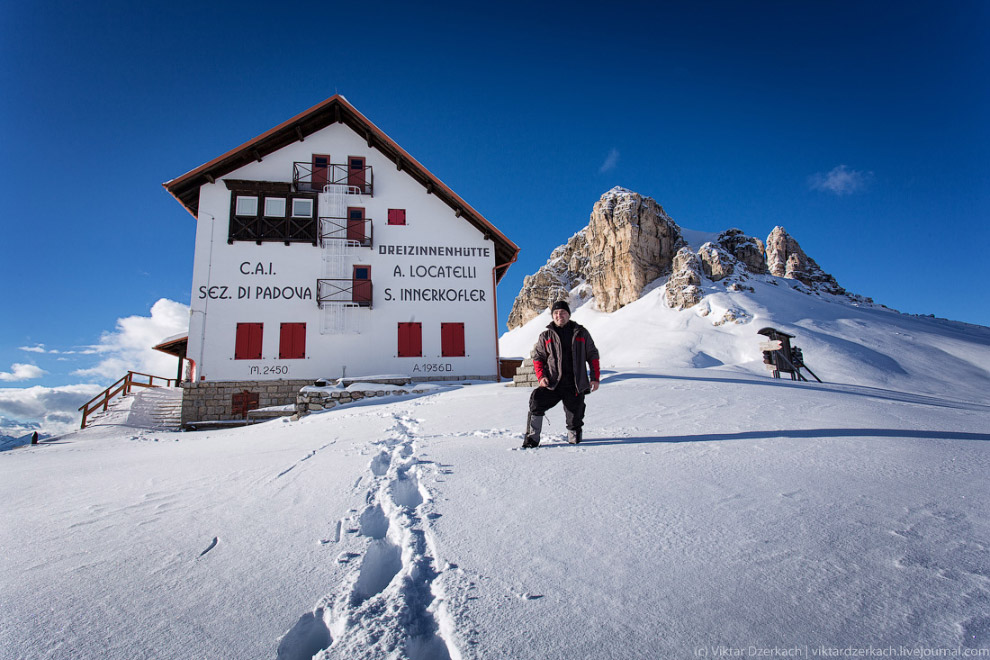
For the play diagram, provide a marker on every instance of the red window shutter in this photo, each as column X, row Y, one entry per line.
column 396, row 216
column 247, row 344
column 410, row 340
column 452, row 339
column 292, row 341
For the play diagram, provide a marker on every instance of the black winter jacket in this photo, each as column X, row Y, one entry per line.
column 547, row 358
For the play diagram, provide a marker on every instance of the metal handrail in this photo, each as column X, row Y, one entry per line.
column 339, row 290
column 334, row 228
column 122, row 387
column 336, row 174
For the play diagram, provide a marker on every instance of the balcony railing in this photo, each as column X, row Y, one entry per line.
column 355, row 232
column 349, row 293
column 359, row 181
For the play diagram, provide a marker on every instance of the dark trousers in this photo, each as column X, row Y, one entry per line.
column 543, row 399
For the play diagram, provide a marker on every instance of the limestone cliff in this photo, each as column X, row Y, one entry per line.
column 632, row 242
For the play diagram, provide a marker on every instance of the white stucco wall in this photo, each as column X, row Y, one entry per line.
column 273, row 283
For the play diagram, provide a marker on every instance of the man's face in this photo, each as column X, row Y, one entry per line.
column 560, row 317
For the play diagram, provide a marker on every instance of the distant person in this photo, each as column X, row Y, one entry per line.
column 561, row 359
column 34, row 438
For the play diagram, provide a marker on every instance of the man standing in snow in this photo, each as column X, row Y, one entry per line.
column 559, row 359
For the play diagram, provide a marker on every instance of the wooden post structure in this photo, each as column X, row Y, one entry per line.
column 780, row 356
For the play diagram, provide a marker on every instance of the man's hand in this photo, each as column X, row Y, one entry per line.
column 594, row 385
column 544, row 382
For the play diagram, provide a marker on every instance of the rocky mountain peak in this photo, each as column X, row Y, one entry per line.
column 631, row 242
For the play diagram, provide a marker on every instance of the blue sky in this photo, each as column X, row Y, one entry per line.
column 862, row 128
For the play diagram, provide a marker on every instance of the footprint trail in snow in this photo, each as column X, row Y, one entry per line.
column 391, row 602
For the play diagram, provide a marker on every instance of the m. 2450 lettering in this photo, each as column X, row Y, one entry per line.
column 277, row 370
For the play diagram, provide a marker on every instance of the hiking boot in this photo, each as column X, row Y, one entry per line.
column 534, row 425
column 574, row 437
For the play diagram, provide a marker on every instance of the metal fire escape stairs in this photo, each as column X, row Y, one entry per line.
column 335, row 255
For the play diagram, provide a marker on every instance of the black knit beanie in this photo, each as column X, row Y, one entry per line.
column 561, row 304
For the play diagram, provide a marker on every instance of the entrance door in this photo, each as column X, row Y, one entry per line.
column 361, row 286
column 355, row 172
column 355, row 225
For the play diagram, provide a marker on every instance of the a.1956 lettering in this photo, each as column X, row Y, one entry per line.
column 433, row 367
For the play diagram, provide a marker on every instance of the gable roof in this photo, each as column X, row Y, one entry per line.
column 336, row 109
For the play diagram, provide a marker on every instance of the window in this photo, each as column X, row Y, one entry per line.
column 247, row 344
column 302, row 207
column 452, row 339
column 410, row 340
column 275, row 207
column 396, row 216
column 247, row 205
column 292, row 341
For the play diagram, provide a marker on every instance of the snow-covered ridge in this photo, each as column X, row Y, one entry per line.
column 843, row 342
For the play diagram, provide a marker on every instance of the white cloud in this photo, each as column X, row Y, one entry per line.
column 840, row 181
column 40, row 348
column 22, row 372
column 611, row 160
column 55, row 408
column 129, row 347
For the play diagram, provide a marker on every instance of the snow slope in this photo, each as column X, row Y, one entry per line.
column 842, row 342
column 711, row 507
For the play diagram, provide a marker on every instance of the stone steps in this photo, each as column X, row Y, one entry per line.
column 525, row 375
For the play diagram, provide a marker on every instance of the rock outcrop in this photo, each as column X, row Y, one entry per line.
column 785, row 258
column 716, row 262
column 632, row 242
column 565, row 270
column 747, row 249
column 683, row 287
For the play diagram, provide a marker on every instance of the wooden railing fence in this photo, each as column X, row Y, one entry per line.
column 122, row 387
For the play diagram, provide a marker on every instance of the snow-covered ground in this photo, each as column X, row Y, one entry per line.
column 711, row 509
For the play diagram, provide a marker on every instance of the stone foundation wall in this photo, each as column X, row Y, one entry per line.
column 307, row 402
column 212, row 401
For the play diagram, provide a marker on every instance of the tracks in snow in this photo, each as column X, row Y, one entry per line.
column 391, row 604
